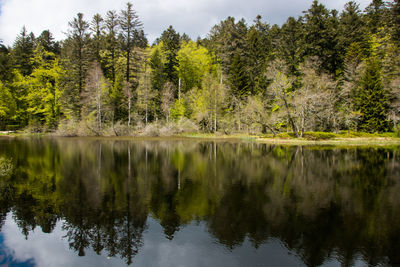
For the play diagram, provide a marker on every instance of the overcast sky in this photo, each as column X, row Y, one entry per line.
column 194, row 17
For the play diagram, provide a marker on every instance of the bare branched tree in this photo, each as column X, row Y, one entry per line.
column 94, row 96
column 167, row 99
column 281, row 87
column 315, row 100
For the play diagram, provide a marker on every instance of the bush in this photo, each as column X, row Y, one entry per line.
column 71, row 128
column 397, row 131
column 318, row 135
column 12, row 128
column 152, row 129
column 285, row 135
column 34, row 127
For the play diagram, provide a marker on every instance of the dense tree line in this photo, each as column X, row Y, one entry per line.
column 322, row 71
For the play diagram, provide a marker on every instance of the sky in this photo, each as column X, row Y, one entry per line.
column 192, row 245
column 194, row 17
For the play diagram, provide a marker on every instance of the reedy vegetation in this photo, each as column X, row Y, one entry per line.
column 323, row 71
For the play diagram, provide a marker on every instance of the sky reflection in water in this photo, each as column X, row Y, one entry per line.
column 87, row 202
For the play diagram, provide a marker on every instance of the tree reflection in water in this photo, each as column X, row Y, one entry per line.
column 321, row 202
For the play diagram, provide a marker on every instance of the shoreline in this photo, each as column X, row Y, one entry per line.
column 337, row 141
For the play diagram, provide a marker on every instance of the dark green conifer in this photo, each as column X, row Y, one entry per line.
column 23, row 51
column 372, row 99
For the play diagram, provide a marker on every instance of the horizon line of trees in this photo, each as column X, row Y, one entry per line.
column 322, row 71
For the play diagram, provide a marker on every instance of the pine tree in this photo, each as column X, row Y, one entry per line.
column 259, row 44
column 7, row 106
column 111, row 44
column 97, row 28
column 157, row 67
column 5, row 64
column 228, row 38
column 351, row 25
column 77, row 60
column 395, row 21
column 46, row 40
column 372, row 99
column 238, row 79
column 290, row 44
column 376, row 15
column 23, row 51
column 320, row 35
column 171, row 44
column 131, row 26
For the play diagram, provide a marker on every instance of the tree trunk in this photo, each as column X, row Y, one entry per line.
column 179, row 90
column 302, row 123
column 291, row 121
column 129, row 110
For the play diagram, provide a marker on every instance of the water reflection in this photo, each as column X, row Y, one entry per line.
column 106, row 196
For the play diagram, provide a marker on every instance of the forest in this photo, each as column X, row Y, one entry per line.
column 325, row 71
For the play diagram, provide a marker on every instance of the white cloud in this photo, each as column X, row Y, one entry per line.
column 48, row 250
column 195, row 17
column 192, row 245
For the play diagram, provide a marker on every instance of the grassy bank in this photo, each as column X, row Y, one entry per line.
column 309, row 138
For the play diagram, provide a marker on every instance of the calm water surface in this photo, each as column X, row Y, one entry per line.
column 90, row 202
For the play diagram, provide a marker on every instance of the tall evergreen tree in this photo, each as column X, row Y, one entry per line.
column 238, row 79
column 22, row 52
column 5, row 64
column 46, row 40
column 96, row 28
column 351, row 25
column 171, row 44
column 227, row 39
column 157, row 70
column 320, row 35
column 259, row 44
column 78, row 60
column 290, row 44
column 111, row 25
column 372, row 99
column 395, row 21
column 352, row 30
column 131, row 26
column 377, row 14
column 7, row 106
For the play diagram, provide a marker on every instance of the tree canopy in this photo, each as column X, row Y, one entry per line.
column 216, row 83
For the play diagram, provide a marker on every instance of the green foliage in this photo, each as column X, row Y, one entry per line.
column 241, row 77
column 320, row 36
column 7, row 105
column 23, row 51
column 76, row 59
column 397, row 131
column 178, row 110
column 5, row 64
column 193, row 63
column 291, row 44
column 238, row 77
column 197, row 104
column 372, row 99
column 318, row 135
column 395, row 21
column 171, row 44
column 43, row 98
column 157, row 68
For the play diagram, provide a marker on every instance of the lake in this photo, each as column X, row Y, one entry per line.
column 172, row 202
